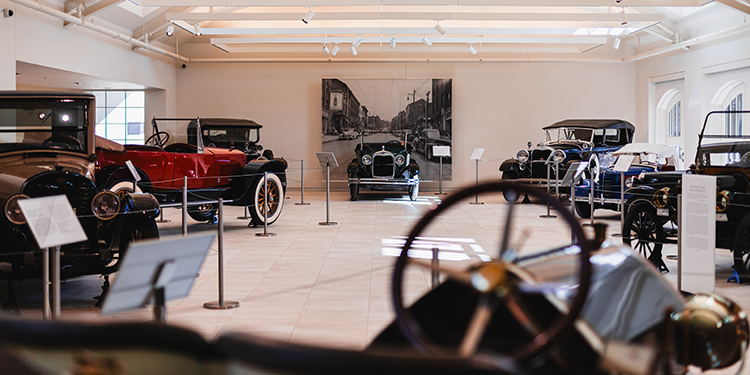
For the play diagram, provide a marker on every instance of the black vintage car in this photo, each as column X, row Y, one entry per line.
column 566, row 142
column 241, row 134
column 427, row 138
column 651, row 219
column 383, row 162
column 47, row 148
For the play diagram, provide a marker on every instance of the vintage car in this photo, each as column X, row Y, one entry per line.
column 240, row 134
column 566, row 142
column 651, row 210
column 647, row 157
column 577, row 307
column 426, row 138
column 383, row 163
column 213, row 172
column 348, row 134
column 47, row 146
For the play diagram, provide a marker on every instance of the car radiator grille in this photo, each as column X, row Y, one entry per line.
column 540, row 154
column 383, row 166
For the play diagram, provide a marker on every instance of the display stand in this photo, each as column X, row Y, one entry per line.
column 441, row 151
column 325, row 159
column 53, row 223
column 221, row 304
column 697, row 235
column 158, row 271
column 571, row 177
column 476, row 155
column 549, row 182
column 302, row 184
column 622, row 165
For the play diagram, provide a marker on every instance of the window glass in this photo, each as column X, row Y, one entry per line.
column 120, row 115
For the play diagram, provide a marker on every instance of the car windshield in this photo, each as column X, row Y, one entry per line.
column 432, row 133
column 33, row 123
column 236, row 134
column 725, row 140
column 569, row 134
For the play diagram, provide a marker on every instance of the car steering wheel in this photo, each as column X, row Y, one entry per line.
column 393, row 141
column 158, row 139
column 64, row 142
column 498, row 281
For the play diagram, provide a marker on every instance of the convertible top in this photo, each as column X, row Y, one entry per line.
column 227, row 122
column 652, row 148
column 592, row 124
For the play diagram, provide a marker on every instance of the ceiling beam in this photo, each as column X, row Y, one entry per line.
column 400, row 49
column 305, row 3
column 415, row 39
column 327, row 16
column 738, row 5
column 90, row 10
column 373, row 31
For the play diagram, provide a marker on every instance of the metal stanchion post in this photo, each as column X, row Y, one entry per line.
column 265, row 208
column 161, row 217
column 548, row 215
column 46, row 312
column 328, row 195
column 184, row 206
column 557, row 179
column 591, row 199
column 221, row 304
column 572, row 205
column 476, row 182
column 440, row 191
column 435, row 272
column 244, row 217
column 55, row 268
column 622, row 203
column 679, row 243
column 302, row 184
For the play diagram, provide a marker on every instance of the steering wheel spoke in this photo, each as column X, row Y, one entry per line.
column 486, row 307
column 460, row 276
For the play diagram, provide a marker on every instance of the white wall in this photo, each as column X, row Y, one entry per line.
column 499, row 106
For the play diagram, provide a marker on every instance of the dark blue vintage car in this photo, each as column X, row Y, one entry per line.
column 647, row 157
column 566, row 142
column 383, row 163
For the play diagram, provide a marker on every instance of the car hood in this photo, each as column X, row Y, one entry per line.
column 17, row 167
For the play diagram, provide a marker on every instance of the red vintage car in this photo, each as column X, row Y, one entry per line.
column 212, row 173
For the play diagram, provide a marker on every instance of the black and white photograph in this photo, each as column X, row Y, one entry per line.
column 415, row 112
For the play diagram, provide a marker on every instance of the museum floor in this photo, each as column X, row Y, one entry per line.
column 313, row 284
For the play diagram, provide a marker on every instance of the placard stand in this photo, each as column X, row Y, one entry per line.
column 476, row 155
column 572, row 175
column 221, row 304
column 549, row 215
column 53, row 223
column 441, row 151
column 325, row 159
column 697, row 235
column 158, row 271
column 302, row 184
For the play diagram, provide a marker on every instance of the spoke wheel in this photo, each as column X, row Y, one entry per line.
column 204, row 212
column 136, row 229
column 275, row 200
column 498, row 284
column 644, row 232
column 741, row 249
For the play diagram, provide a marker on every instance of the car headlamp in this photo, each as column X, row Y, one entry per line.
column 400, row 160
column 722, row 200
column 105, row 205
column 522, row 156
column 629, row 182
column 13, row 210
column 367, row 159
column 661, row 197
column 558, row 156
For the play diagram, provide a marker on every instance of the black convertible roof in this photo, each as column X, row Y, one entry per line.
column 46, row 94
column 227, row 122
column 592, row 124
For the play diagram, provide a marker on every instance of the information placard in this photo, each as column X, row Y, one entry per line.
column 697, row 263
column 52, row 221
column 135, row 174
column 444, row 151
column 326, row 158
column 623, row 163
column 477, row 154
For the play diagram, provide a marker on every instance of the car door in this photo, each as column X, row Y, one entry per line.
column 199, row 169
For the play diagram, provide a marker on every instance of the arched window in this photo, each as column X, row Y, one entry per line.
column 733, row 121
column 729, row 98
column 675, row 119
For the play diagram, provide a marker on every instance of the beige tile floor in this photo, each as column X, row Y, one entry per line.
column 326, row 285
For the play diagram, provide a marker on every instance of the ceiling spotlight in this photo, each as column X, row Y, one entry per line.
column 198, row 31
column 616, row 43
column 623, row 20
column 472, row 49
column 326, row 50
column 336, row 50
column 170, row 30
column 439, row 28
column 426, row 41
column 358, row 42
column 354, row 50
column 310, row 14
column 393, row 42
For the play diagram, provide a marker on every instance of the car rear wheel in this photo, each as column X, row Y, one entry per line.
column 353, row 192
column 137, row 229
column 643, row 230
column 275, row 200
column 741, row 249
column 583, row 209
column 204, row 212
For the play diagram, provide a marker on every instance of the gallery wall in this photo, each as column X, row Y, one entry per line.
column 497, row 106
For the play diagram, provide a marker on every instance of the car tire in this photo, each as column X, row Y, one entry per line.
column 583, row 209
column 134, row 230
column 353, row 192
column 741, row 249
column 644, row 231
column 275, row 200
column 510, row 196
column 204, row 212
column 123, row 186
column 414, row 192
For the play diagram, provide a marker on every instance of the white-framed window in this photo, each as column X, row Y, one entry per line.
column 674, row 118
column 120, row 115
column 733, row 121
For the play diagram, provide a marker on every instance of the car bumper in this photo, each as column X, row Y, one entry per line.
column 383, row 182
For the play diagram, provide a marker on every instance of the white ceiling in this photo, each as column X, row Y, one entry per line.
column 499, row 30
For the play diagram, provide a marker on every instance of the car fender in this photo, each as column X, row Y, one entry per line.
column 413, row 169
column 352, row 168
column 112, row 174
column 116, row 230
column 639, row 194
column 507, row 165
column 251, row 174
